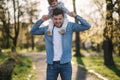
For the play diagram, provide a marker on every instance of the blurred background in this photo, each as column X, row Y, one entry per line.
column 18, row 16
column 103, row 39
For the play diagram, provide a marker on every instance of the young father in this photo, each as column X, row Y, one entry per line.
column 59, row 46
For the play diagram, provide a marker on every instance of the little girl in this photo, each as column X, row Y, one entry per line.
column 55, row 4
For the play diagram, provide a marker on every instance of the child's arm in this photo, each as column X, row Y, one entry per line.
column 61, row 4
column 50, row 12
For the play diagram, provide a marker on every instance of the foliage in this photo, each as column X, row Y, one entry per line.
column 23, row 69
column 28, row 11
column 116, row 24
column 77, row 40
column 13, row 15
column 96, row 64
column 96, row 18
column 3, row 58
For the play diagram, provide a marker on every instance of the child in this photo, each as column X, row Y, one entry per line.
column 55, row 4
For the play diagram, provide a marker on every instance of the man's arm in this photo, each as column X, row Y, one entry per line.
column 35, row 30
column 84, row 25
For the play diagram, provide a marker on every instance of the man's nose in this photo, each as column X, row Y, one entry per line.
column 58, row 20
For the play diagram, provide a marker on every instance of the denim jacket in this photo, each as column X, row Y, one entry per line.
column 66, row 38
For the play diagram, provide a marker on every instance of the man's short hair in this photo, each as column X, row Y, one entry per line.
column 58, row 11
column 50, row 1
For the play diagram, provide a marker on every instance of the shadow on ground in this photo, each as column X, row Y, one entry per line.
column 6, row 69
column 115, row 69
column 81, row 72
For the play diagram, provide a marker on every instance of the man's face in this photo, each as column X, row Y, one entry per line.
column 58, row 20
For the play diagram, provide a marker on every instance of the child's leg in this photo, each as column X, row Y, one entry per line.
column 63, row 29
column 50, row 27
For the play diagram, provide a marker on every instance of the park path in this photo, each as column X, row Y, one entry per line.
column 78, row 73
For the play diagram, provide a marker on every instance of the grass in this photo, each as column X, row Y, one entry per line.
column 96, row 64
column 23, row 69
column 3, row 58
column 24, row 50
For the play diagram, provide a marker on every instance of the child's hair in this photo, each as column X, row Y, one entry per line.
column 50, row 1
column 58, row 11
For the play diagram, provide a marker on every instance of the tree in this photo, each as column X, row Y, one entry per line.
column 31, row 11
column 116, row 28
column 107, row 43
column 77, row 42
column 14, row 16
column 5, row 20
column 96, row 16
column 16, row 23
column 118, row 9
column 11, row 29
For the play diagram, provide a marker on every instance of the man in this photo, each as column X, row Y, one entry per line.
column 58, row 46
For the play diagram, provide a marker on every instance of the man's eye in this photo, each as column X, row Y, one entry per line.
column 59, row 18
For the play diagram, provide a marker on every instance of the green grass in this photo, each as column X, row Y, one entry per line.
column 23, row 68
column 3, row 58
column 24, row 50
column 96, row 64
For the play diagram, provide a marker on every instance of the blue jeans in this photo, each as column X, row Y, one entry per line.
column 65, row 71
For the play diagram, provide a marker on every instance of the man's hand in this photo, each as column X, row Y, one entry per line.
column 72, row 14
column 45, row 17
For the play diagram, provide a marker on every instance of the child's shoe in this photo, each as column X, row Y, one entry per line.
column 62, row 31
column 49, row 33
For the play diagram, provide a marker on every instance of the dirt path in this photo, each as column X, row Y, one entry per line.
column 40, row 66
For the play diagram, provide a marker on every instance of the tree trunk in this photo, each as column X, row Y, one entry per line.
column 98, row 48
column 119, row 22
column 77, row 44
column 108, row 49
column 6, row 39
column 7, row 44
column 16, row 24
column 14, row 45
column 32, row 39
column 107, row 44
column 77, row 38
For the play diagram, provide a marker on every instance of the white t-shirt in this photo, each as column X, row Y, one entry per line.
column 57, row 42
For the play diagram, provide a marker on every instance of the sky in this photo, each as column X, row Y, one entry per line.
column 80, row 5
column 83, row 8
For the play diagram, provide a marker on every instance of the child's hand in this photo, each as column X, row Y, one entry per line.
column 45, row 17
column 72, row 14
